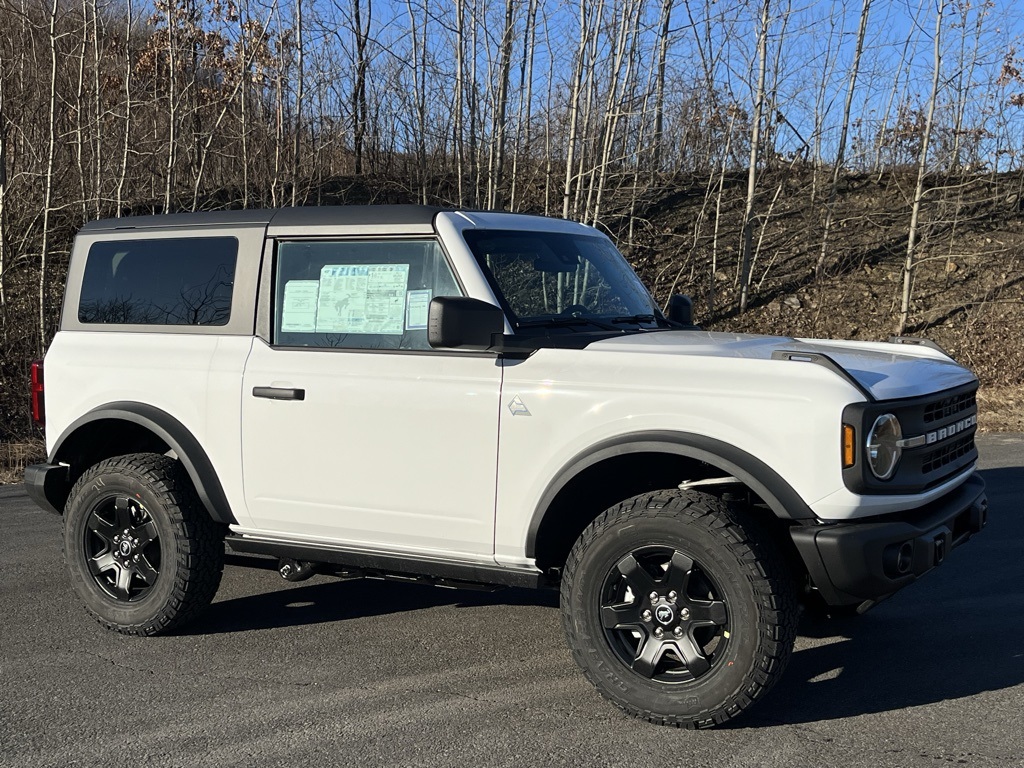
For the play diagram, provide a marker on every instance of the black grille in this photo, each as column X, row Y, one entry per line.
column 947, row 454
column 949, row 406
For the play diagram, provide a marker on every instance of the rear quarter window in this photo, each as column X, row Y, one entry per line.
column 167, row 281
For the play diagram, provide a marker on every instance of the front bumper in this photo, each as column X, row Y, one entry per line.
column 852, row 562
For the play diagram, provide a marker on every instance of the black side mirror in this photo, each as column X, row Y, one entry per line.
column 457, row 322
column 680, row 310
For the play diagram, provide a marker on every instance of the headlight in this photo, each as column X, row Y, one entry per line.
column 883, row 451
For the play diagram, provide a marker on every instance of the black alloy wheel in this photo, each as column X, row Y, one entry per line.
column 663, row 615
column 122, row 548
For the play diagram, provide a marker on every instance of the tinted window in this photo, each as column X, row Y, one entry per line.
column 358, row 294
column 173, row 281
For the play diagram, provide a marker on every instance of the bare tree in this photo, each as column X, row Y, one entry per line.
column 922, row 168
column 359, row 112
column 172, row 104
column 755, row 148
column 126, row 145
column 51, row 145
column 659, row 88
column 575, row 91
column 496, row 157
column 524, row 116
column 837, row 165
column 299, row 96
column 418, row 57
column 3, row 199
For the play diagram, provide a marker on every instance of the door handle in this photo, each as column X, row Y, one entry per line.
column 279, row 393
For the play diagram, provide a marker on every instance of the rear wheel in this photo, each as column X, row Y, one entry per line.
column 140, row 549
column 675, row 612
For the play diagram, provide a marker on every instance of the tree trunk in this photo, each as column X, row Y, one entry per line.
column 299, row 94
column 837, row 167
column 359, row 90
column 659, row 86
column 48, row 183
column 498, row 127
column 172, row 110
column 576, row 86
column 3, row 203
column 525, row 115
column 755, row 146
column 97, row 148
column 126, row 146
column 78, row 108
column 922, row 168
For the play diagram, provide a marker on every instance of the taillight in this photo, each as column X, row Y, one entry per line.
column 38, row 408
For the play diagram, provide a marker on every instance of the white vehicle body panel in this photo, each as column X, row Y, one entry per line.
column 195, row 378
column 887, row 371
column 392, row 450
column 780, row 412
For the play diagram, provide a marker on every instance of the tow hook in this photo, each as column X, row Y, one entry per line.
column 295, row 570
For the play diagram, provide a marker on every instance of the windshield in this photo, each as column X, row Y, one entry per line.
column 554, row 278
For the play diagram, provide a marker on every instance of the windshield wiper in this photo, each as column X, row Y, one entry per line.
column 636, row 319
column 567, row 321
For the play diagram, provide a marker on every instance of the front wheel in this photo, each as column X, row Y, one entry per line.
column 141, row 551
column 675, row 612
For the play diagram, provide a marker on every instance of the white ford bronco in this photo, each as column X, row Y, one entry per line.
column 486, row 398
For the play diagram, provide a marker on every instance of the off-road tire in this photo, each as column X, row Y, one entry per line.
column 140, row 549
column 741, row 609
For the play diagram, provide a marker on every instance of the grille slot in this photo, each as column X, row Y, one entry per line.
column 947, row 454
column 949, row 406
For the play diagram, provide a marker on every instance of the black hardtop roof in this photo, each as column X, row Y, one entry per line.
column 327, row 215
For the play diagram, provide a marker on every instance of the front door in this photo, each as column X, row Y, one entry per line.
column 353, row 429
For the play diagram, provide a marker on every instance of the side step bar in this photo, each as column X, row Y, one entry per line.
column 384, row 564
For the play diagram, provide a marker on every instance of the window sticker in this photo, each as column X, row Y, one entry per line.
column 298, row 315
column 417, row 305
column 366, row 298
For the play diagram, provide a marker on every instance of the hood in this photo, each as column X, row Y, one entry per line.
column 887, row 371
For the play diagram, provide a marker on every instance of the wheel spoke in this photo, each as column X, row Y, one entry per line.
column 695, row 660
column 102, row 528
column 623, row 614
column 145, row 571
column 708, row 613
column 648, row 655
column 124, row 581
column 147, row 533
column 122, row 508
column 677, row 578
column 639, row 580
column 102, row 564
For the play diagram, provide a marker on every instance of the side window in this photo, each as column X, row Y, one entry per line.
column 358, row 294
column 168, row 281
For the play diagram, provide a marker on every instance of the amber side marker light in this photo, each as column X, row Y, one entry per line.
column 849, row 441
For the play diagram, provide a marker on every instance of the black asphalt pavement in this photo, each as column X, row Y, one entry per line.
column 367, row 673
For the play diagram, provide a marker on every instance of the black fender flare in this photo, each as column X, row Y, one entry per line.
column 176, row 435
column 751, row 471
